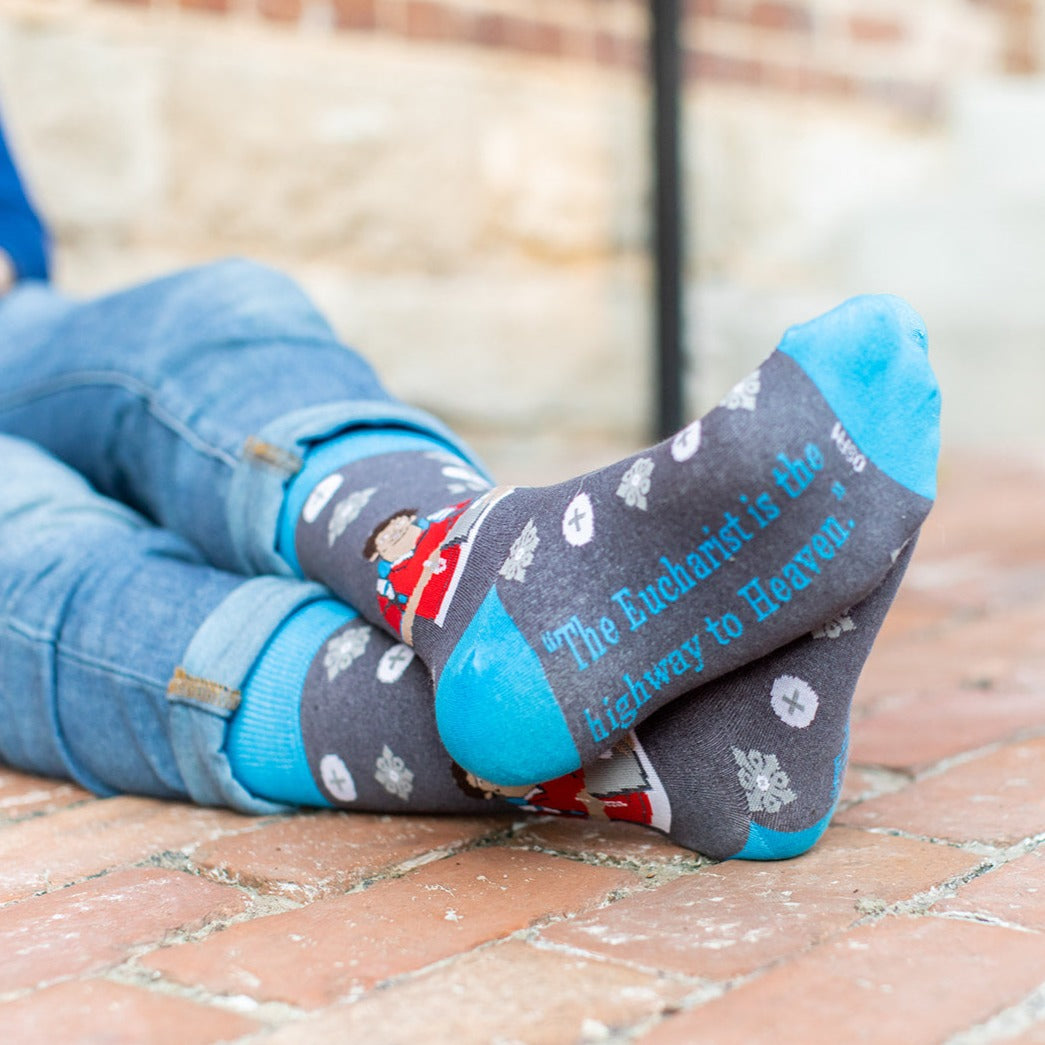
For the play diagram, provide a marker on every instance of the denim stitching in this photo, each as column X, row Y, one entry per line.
column 130, row 384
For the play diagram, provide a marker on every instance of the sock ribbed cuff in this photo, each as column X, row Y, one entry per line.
column 264, row 744
column 327, row 457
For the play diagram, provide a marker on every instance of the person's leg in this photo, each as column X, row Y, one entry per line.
column 209, row 398
column 193, row 398
column 96, row 606
column 129, row 665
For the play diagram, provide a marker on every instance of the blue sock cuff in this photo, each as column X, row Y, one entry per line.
column 264, row 743
column 329, row 456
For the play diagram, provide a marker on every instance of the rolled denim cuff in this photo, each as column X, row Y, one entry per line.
column 276, row 454
column 207, row 687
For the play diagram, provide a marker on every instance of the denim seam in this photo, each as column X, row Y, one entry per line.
column 108, row 669
column 133, row 385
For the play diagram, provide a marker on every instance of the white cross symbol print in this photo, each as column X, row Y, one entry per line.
column 686, row 443
column 395, row 660
column 337, row 778
column 794, row 701
column 578, row 523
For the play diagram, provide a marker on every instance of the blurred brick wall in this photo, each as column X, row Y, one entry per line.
column 467, row 180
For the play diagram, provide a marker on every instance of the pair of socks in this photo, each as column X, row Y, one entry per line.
column 649, row 639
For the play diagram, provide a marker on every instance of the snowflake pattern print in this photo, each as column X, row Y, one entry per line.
column 393, row 775
column 744, row 394
column 635, row 483
column 346, row 512
column 520, row 555
column 766, row 785
column 343, row 649
column 835, row 627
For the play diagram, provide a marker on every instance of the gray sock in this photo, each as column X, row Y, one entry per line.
column 336, row 713
column 748, row 766
column 556, row 620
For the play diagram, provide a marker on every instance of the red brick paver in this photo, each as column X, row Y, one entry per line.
column 996, row 798
column 327, row 853
column 912, row 731
column 333, row 948
column 734, row 918
column 96, row 923
column 1014, row 893
column 116, row 1014
column 630, row 843
column 509, row 992
column 902, row 980
column 50, row 851
column 22, row 795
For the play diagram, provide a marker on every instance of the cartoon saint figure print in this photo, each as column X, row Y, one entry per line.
column 621, row 785
column 420, row 559
column 414, row 570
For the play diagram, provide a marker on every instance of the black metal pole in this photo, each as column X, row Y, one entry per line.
column 665, row 65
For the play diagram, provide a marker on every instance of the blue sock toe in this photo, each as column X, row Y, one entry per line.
column 869, row 358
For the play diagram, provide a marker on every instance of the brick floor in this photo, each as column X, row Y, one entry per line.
column 919, row 917
column 116, row 1014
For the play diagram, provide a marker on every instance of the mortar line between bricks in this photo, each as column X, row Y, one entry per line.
column 663, row 873
column 988, row 850
column 310, row 894
column 1005, row 1025
column 976, row 918
column 576, row 951
column 909, row 777
column 916, row 906
column 39, row 814
column 130, row 968
column 270, row 1014
column 170, row 859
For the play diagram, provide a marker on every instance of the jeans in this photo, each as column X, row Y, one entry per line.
column 147, row 440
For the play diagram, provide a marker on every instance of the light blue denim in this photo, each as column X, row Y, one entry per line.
column 134, row 604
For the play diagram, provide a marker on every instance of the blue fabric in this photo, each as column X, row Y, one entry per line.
column 96, row 610
column 193, row 398
column 265, row 747
column 871, row 327
column 22, row 232
column 492, row 739
column 139, row 577
column 763, row 843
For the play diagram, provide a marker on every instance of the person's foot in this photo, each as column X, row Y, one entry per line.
column 555, row 620
column 748, row 766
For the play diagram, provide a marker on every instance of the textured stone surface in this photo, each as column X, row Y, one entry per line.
column 736, row 917
column 911, row 980
column 116, row 1014
column 478, row 998
column 96, row 923
column 335, row 948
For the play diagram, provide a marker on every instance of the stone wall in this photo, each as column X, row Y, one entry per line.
column 463, row 185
